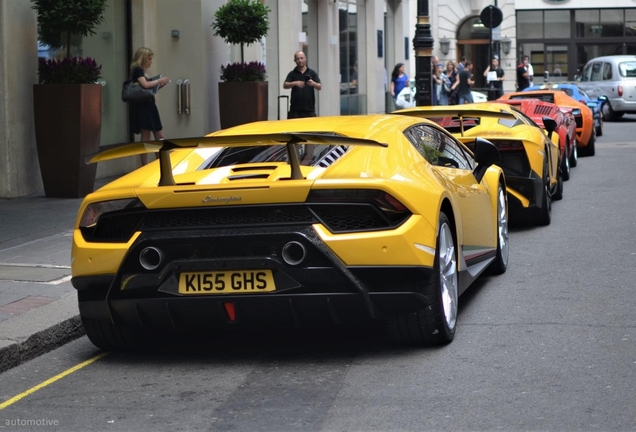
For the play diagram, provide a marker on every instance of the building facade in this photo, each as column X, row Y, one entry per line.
column 559, row 36
column 350, row 43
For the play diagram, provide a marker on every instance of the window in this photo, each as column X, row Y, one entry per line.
column 530, row 24
column 596, row 72
column 607, row 71
column 630, row 22
column 557, row 24
column 585, row 76
column 351, row 102
column 438, row 148
column 611, row 23
column 627, row 69
column 473, row 28
column 587, row 23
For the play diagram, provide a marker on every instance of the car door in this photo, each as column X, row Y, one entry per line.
column 608, row 80
column 456, row 164
column 591, row 78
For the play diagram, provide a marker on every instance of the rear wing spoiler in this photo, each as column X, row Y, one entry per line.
column 455, row 112
column 288, row 139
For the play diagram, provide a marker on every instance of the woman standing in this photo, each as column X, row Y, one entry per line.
column 446, row 85
column 451, row 73
column 145, row 116
column 399, row 80
column 437, row 84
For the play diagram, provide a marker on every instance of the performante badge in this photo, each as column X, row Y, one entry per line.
column 209, row 199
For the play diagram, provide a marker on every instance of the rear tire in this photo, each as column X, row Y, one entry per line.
column 108, row 336
column 608, row 113
column 565, row 165
column 574, row 157
column 558, row 193
column 589, row 149
column 543, row 215
column 500, row 264
column 434, row 324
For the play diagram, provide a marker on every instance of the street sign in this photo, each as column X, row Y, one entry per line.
column 491, row 16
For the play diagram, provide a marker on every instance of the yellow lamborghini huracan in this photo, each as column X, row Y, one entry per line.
column 320, row 221
column 530, row 156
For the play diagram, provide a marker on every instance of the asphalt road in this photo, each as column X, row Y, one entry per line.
column 549, row 345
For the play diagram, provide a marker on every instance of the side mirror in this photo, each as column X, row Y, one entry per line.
column 602, row 98
column 550, row 125
column 486, row 154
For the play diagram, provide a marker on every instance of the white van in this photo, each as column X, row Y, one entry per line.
column 615, row 78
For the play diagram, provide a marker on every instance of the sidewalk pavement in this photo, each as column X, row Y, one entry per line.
column 38, row 304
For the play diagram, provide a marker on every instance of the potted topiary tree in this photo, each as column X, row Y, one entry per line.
column 67, row 99
column 243, row 89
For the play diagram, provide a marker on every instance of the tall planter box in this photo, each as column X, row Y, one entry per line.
column 68, row 119
column 242, row 102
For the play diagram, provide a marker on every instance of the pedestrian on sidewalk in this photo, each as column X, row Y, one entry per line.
column 302, row 81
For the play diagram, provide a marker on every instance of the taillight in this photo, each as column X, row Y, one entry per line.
column 620, row 90
column 95, row 210
column 357, row 210
column 385, row 201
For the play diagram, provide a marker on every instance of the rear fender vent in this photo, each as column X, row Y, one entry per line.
column 335, row 154
column 543, row 110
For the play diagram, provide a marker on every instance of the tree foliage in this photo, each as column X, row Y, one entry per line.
column 241, row 21
column 61, row 19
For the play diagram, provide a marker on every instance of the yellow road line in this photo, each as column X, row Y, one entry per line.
column 51, row 381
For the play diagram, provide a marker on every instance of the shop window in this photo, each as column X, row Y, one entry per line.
column 557, row 24
column 351, row 102
column 588, row 23
column 630, row 22
column 612, row 23
column 530, row 24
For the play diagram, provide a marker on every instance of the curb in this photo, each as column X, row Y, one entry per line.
column 39, row 331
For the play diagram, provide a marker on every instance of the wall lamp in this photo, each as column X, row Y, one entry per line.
column 505, row 45
column 444, row 45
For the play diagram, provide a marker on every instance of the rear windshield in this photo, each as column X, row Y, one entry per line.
column 546, row 97
column 627, row 69
column 308, row 154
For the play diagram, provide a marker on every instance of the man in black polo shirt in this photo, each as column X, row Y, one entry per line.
column 494, row 79
column 302, row 81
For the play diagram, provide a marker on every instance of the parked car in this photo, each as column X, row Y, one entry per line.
column 479, row 97
column 406, row 98
column 529, row 158
column 308, row 222
column 564, row 134
column 585, row 129
column 613, row 77
column 577, row 93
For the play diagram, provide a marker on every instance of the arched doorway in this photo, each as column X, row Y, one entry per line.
column 473, row 39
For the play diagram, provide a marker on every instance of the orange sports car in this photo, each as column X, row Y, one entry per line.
column 585, row 130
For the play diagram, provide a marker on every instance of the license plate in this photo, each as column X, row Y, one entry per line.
column 227, row 282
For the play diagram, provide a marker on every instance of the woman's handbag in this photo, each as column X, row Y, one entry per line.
column 446, row 85
column 134, row 93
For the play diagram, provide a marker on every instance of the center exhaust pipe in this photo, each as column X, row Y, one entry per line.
column 294, row 253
